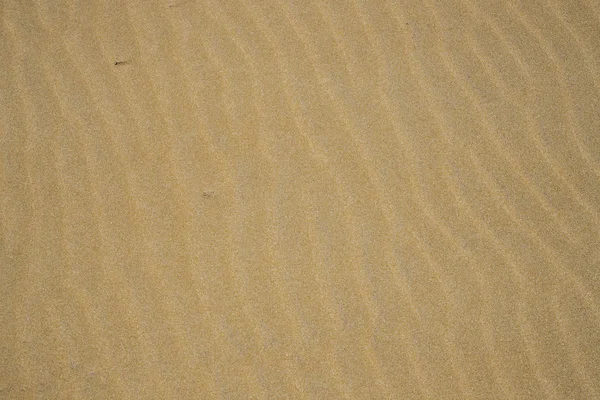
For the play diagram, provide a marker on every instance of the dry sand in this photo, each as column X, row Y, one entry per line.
column 277, row 199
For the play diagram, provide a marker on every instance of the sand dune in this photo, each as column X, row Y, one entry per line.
column 245, row 199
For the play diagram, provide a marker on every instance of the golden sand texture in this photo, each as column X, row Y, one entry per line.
column 316, row 199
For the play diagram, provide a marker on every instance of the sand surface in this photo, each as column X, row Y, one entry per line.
column 277, row 199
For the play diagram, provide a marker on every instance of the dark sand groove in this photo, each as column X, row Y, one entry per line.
column 274, row 199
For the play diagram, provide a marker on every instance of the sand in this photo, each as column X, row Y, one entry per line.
column 271, row 199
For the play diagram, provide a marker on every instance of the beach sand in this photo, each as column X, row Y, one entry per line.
column 271, row 199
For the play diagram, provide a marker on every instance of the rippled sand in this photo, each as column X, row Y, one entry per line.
column 270, row 199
